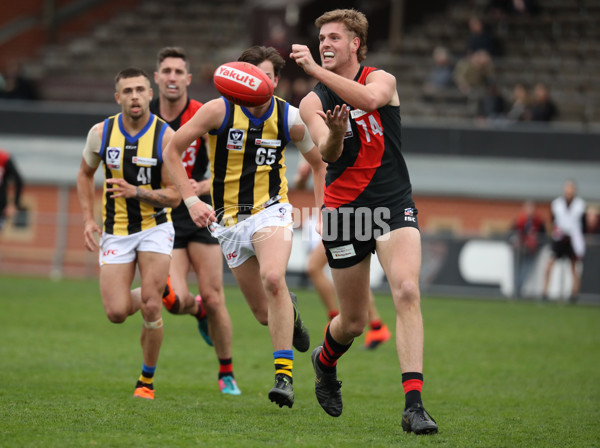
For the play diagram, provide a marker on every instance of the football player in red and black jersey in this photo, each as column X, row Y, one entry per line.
column 353, row 115
column 194, row 246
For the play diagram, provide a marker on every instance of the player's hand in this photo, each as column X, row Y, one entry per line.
column 337, row 121
column 202, row 214
column 301, row 54
column 120, row 188
column 89, row 229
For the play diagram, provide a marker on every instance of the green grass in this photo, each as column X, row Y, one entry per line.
column 497, row 374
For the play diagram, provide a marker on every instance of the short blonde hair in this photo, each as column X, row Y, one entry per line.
column 355, row 21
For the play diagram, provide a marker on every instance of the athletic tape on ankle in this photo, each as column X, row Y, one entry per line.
column 154, row 325
column 191, row 201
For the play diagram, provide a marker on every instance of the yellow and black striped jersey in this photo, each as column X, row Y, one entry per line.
column 138, row 160
column 247, row 156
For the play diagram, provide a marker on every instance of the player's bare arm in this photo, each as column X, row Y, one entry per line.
column 208, row 117
column 85, row 186
column 379, row 90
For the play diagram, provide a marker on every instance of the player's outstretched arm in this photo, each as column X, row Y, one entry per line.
column 209, row 116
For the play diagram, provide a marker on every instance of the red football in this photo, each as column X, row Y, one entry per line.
column 243, row 83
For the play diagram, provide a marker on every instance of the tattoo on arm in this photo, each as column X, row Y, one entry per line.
column 155, row 198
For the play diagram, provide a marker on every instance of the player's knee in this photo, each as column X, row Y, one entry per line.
column 151, row 310
column 407, row 292
column 116, row 316
column 273, row 281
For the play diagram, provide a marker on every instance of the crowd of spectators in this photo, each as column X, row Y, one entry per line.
column 471, row 75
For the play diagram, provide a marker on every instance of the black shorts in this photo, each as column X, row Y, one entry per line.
column 563, row 248
column 349, row 234
column 186, row 231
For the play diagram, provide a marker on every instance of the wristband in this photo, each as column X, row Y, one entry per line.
column 191, row 201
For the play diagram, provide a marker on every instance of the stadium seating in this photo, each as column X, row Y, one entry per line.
column 559, row 47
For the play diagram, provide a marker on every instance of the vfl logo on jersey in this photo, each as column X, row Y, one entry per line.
column 144, row 161
column 267, row 143
column 409, row 215
column 235, row 139
column 113, row 157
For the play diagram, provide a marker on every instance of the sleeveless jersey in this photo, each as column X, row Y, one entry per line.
column 138, row 160
column 247, row 156
column 371, row 170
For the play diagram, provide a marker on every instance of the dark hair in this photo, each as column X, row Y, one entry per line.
column 355, row 21
column 258, row 53
column 130, row 72
column 172, row 52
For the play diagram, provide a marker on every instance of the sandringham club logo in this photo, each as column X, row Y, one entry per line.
column 239, row 76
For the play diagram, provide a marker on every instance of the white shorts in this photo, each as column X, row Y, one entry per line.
column 236, row 241
column 117, row 249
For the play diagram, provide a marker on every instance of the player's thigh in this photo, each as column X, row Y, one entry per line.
column 154, row 270
column 273, row 246
column 115, row 286
column 399, row 253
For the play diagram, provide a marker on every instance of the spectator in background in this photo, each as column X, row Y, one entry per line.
column 568, row 217
column 15, row 85
column 9, row 173
column 520, row 109
column 542, row 107
column 474, row 72
column 480, row 38
column 492, row 105
column 440, row 77
column 529, row 231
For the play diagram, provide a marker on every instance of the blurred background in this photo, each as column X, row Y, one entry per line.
column 500, row 103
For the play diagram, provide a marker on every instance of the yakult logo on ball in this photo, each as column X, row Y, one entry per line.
column 239, row 76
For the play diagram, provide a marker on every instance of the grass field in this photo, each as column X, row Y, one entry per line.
column 497, row 374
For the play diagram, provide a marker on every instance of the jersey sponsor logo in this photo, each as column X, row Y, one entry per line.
column 409, row 215
column 357, row 113
column 346, row 251
column 231, row 256
column 113, row 157
column 144, row 161
column 132, row 147
column 235, row 139
column 110, row 252
column 267, row 143
column 239, row 77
